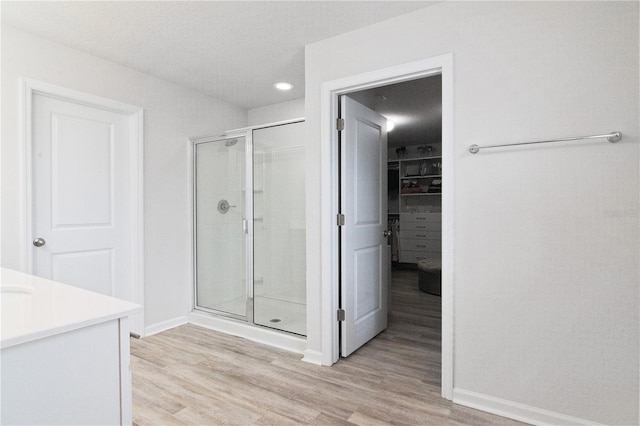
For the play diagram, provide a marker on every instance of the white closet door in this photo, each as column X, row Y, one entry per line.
column 365, row 255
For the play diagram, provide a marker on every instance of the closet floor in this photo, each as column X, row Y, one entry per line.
column 190, row 375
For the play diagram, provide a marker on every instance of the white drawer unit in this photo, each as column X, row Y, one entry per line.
column 421, row 244
column 415, row 256
column 421, row 226
column 429, row 235
column 421, row 217
column 420, row 236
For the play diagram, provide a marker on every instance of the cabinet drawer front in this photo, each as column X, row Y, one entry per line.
column 421, row 234
column 415, row 256
column 421, row 217
column 420, row 226
column 420, row 245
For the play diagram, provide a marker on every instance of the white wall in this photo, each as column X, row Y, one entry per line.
column 546, row 237
column 276, row 112
column 171, row 115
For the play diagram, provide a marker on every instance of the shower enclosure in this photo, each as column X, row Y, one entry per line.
column 250, row 226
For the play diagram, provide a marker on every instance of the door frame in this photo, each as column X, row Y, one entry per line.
column 330, row 92
column 29, row 88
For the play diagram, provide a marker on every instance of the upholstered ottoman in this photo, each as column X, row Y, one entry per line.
column 429, row 275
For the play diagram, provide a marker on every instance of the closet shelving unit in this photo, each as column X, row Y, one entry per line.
column 418, row 212
column 421, row 170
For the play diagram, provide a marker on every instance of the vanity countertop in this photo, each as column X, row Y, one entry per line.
column 34, row 308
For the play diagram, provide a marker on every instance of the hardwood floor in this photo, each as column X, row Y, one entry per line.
column 193, row 376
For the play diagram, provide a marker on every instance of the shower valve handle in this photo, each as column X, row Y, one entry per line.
column 224, row 206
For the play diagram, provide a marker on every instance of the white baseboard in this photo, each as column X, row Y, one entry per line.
column 165, row 325
column 265, row 336
column 312, row 357
column 515, row 410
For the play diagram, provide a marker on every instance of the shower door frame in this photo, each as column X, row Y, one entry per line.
column 247, row 224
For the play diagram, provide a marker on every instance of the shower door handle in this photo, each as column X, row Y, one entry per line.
column 245, row 226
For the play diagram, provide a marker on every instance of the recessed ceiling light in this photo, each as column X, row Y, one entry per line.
column 283, row 85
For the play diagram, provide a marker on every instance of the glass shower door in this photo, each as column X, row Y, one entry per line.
column 221, row 276
column 279, row 274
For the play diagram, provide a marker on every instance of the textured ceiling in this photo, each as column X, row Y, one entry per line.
column 231, row 50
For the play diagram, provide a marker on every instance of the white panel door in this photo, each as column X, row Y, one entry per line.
column 80, row 193
column 364, row 252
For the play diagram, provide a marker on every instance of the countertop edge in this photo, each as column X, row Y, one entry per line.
column 42, row 334
column 104, row 308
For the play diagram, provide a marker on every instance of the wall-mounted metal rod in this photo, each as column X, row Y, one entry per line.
column 611, row 137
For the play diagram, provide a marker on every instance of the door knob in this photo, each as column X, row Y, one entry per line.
column 387, row 233
column 39, row 242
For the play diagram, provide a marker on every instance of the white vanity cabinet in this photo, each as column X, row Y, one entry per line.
column 65, row 354
column 420, row 236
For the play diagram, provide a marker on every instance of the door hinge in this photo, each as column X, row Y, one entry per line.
column 341, row 314
column 340, row 124
column 341, row 220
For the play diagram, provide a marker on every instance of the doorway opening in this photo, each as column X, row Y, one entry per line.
column 411, row 185
column 331, row 92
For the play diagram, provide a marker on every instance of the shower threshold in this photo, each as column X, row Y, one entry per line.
column 268, row 336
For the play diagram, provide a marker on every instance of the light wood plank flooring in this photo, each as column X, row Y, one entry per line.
column 193, row 376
